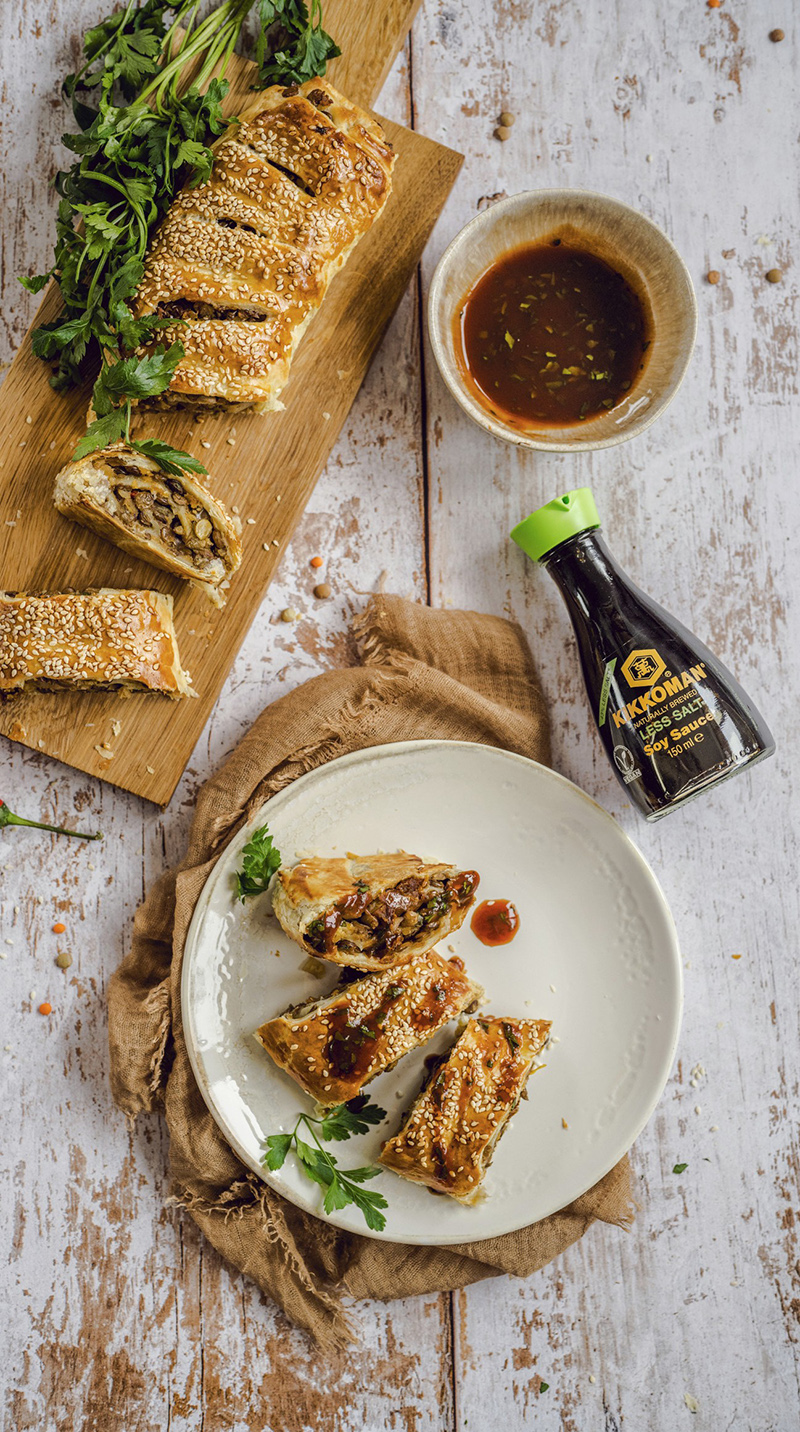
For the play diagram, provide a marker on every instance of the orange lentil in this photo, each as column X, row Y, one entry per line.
column 58, row 928
column 712, row 276
column 45, row 1008
column 316, row 561
column 713, row 4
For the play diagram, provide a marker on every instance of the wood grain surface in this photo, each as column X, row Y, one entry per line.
column 264, row 467
column 116, row 1314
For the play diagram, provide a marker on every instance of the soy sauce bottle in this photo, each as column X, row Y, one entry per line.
column 672, row 718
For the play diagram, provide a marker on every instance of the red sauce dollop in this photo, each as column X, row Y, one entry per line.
column 495, row 922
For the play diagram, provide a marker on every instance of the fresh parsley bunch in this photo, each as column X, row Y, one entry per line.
column 142, row 136
column 342, row 1186
column 291, row 43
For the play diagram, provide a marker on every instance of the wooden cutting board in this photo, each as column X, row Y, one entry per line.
column 266, row 467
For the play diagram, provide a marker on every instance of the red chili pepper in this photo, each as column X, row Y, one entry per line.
column 7, row 817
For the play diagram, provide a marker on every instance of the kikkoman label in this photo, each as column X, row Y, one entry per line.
column 659, row 692
column 644, row 667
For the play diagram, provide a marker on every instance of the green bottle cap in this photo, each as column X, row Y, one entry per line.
column 552, row 524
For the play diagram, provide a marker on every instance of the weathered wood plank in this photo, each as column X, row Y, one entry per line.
column 676, row 111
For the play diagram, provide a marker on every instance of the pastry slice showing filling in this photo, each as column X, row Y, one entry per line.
column 448, row 1138
column 333, row 1046
column 372, row 911
column 172, row 521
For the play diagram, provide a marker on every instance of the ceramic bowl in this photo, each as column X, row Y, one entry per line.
column 623, row 238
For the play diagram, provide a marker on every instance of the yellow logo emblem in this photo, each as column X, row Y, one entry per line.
column 642, row 668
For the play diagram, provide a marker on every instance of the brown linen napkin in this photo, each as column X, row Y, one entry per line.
column 425, row 674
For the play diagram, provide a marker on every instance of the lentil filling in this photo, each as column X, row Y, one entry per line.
column 380, row 923
column 161, row 506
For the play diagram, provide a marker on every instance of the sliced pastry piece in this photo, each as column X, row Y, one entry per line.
column 371, row 911
column 244, row 259
column 448, row 1138
column 102, row 640
column 172, row 521
column 333, row 1046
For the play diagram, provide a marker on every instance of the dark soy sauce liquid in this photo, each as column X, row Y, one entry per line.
column 672, row 718
column 551, row 335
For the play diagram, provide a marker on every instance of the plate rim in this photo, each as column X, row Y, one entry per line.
column 382, row 751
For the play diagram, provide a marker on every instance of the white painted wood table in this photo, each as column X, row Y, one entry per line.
column 115, row 1312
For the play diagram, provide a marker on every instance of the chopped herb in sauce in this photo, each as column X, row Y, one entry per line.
column 513, row 1042
column 552, row 335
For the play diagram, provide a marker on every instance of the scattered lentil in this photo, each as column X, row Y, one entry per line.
column 322, row 590
column 774, row 275
column 316, row 561
column 507, row 119
column 289, row 614
column 502, row 133
column 712, row 276
column 64, row 960
column 45, row 1008
column 59, row 928
column 775, row 35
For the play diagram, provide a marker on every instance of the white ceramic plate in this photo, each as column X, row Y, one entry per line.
column 596, row 953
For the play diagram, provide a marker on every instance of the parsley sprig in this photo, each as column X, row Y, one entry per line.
column 342, row 1186
column 142, row 135
column 260, row 860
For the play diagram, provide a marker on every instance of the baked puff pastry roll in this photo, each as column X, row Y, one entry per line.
column 448, row 1138
column 371, row 912
column 102, row 640
column 244, row 260
column 172, row 521
column 333, row 1046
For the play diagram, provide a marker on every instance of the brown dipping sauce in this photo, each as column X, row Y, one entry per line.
column 551, row 335
column 495, row 922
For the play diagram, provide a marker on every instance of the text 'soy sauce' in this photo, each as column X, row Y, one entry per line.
column 672, row 718
column 551, row 335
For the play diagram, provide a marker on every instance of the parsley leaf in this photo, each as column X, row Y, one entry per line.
column 342, row 1186
column 101, row 433
column 352, row 1118
column 260, row 860
column 679, row 1168
column 292, row 45
column 278, row 1146
column 135, row 377
column 36, row 282
column 171, row 460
